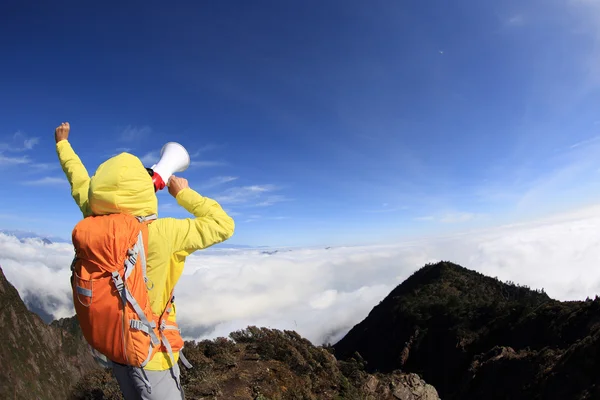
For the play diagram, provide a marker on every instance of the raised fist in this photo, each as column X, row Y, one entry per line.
column 176, row 184
column 62, row 132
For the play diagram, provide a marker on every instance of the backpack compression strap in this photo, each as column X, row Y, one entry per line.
column 162, row 327
column 143, row 324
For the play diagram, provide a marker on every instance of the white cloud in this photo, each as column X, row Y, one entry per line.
column 39, row 270
column 322, row 293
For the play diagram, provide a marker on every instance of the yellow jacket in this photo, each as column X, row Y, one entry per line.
column 122, row 185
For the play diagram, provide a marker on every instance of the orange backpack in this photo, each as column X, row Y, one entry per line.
column 110, row 291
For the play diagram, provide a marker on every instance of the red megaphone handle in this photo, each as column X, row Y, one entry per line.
column 159, row 184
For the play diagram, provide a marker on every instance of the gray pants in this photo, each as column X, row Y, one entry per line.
column 134, row 383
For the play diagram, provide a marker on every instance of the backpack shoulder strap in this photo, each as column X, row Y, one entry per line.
column 142, row 250
column 147, row 218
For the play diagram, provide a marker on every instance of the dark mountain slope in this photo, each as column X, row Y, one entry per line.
column 38, row 361
column 472, row 336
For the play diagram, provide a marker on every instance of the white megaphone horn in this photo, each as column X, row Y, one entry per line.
column 173, row 158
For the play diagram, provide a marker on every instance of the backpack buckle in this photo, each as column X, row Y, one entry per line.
column 118, row 281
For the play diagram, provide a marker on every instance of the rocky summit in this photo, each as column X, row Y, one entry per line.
column 261, row 364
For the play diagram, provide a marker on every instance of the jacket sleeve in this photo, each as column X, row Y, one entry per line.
column 210, row 226
column 76, row 173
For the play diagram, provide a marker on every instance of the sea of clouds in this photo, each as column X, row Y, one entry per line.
column 322, row 292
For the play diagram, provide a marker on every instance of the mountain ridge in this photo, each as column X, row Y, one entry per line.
column 454, row 327
column 25, row 235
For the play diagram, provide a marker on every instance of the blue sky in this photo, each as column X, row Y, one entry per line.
column 313, row 123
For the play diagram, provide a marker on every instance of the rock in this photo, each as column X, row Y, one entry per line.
column 403, row 393
column 412, row 387
column 371, row 384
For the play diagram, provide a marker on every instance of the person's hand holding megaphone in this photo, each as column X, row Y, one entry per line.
column 176, row 184
column 62, row 132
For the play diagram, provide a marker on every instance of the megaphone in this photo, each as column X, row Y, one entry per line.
column 173, row 158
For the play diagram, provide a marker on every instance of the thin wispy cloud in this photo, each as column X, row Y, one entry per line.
column 252, row 218
column 32, row 166
column 585, row 142
column 150, row 158
column 133, row 133
column 587, row 26
column 386, row 208
column 28, row 144
column 425, row 218
column 12, row 161
column 217, row 181
column 257, row 217
column 118, row 151
column 167, row 206
column 455, row 218
column 232, row 213
column 271, row 200
column 555, row 180
column 450, row 218
column 257, row 195
column 204, row 149
column 36, row 167
column 20, row 143
column 207, row 164
column 516, row 20
column 47, row 181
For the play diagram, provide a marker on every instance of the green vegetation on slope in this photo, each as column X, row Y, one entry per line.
column 38, row 361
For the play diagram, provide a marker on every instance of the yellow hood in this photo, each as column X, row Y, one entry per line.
column 122, row 185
